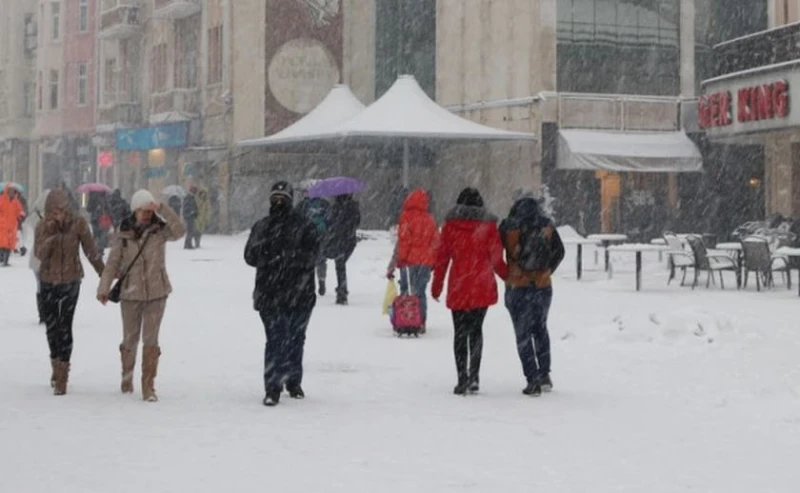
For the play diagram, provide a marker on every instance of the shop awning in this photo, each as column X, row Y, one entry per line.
column 653, row 152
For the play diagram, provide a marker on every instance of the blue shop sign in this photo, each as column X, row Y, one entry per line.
column 144, row 139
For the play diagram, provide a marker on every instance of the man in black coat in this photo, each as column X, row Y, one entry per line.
column 283, row 247
column 345, row 217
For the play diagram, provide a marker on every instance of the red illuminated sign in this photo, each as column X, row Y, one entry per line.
column 755, row 103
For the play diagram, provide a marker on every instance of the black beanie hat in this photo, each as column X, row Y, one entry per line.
column 470, row 196
column 282, row 189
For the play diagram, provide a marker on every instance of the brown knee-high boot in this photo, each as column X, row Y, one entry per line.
column 128, row 358
column 150, row 356
column 61, row 371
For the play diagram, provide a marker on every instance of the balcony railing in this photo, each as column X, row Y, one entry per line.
column 781, row 44
column 121, row 21
column 175, row 9
column 120, row 113
column 184, row 101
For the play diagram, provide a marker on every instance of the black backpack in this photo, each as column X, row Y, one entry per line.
column 534, row 249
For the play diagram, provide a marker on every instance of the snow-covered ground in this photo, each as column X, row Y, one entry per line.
column 664, row 390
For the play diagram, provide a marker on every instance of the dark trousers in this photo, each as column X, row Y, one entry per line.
column 283, row 352
column 529, row 308
column 191, row 231
column 58, row 306
column 5, row 256
column 468, row 343
column 341, row 272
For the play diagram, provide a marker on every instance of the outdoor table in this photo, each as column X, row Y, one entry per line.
column 607, row 240
column 579, row 241
column 790, row 252
column 638, row 248
column 662, row 242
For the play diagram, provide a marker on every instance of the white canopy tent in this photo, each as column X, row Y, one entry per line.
column 405, row 112
column 339, row 105
column 653, row 152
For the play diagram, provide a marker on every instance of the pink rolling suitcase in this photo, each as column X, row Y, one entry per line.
column 406, row 316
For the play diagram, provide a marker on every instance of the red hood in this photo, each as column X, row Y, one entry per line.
column 417, row 200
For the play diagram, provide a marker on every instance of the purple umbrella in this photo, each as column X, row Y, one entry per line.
column 339, row 185
column 93, row 187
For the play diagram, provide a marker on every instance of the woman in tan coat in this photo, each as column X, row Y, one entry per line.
column 59, row 237
column 146, row 287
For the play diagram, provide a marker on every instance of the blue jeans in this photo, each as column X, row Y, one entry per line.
column 417, row 276
column 283, row 352
column 529, row 307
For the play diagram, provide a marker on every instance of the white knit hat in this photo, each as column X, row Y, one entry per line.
column 141, row 199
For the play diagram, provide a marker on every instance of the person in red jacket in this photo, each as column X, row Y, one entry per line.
column 471, row 243
column 415, row 250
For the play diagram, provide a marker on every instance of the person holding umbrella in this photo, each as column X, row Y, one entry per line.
column 344, row 220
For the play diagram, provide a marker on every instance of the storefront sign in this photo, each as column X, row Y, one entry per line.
column 749, row 102
column 752, row 103
column 105, row 159
column 158, row 137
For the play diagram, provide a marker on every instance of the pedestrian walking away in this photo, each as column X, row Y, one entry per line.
column 283, row 247
column 11, row 212
column 415, row 249
column 138, row 260
column 470, row 249
column 340, row 242
column 317, row 210
column 36, row 215
column 533, row 251
column 57, row 243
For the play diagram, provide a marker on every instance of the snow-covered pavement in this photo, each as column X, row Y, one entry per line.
column 665, row 390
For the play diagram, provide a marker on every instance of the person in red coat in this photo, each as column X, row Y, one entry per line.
column 470, row 246
column 10, row 214
column 415, row 250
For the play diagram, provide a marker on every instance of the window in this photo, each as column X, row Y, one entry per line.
column 619, row 46
column 39, row 97
column 110, row 81
column 186, row 51
column 83, row 73
column 158, row 68
column 54, row 89
column 215, row 54
column 27, row 98
column 55, row 17
column 83, row 15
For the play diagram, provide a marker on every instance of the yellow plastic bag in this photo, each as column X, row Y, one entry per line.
column 388, row 298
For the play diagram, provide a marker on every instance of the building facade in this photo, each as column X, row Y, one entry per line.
column 747, row 103
column 18, row 42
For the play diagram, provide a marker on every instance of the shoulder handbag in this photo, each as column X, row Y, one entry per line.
column 116, row 289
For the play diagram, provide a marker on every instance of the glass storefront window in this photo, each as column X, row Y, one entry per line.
column 619, row 46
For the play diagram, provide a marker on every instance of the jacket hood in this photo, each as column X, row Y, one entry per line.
column 470, row 213
column 57, row 199
column 417, row 200
column 527, row 211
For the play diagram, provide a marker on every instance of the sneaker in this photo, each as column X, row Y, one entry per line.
column 474, row 385
column 272, row 399
column 321, row 288
column 295, row 391
column 546, row 383
column 460, row 389
column 533, row 389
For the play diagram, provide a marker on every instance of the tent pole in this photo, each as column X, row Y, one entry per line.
column 405, row 163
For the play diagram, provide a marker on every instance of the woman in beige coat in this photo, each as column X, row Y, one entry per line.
column 146, row 287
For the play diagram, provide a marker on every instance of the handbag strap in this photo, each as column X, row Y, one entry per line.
column 138, row 254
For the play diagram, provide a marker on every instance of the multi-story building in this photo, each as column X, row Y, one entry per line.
column 17, row 81
column 65, row 93
column 747, row 107
column 165, row 111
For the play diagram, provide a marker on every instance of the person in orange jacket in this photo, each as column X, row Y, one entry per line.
column 10, row 214
column 415, row 250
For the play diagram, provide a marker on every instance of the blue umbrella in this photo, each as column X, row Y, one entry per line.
column 19, row 187
column 339, row 185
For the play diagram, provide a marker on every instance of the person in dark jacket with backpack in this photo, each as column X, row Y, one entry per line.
column 190, row 213
column 533, row 252
column 340, row 242
column 283, row 247
column 317, row 210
